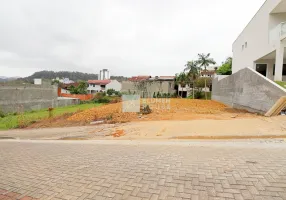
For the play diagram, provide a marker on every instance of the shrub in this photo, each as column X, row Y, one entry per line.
column 102, row 100
column 158, row 95
column 110, row 92
column 2, row 114
column 199, row 94
column 145, row 109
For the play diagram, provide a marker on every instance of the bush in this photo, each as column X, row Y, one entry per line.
column 110, row 92
column 199, row 94
column 2, row 114
column 102, row 100
column 158, row 95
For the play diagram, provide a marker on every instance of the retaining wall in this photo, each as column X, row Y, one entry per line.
column 247, row 89
column 19, row 98
column 78, row 96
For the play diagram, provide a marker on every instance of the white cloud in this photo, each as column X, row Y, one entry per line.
column 129, row 37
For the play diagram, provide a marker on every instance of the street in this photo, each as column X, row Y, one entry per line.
column 142, row 170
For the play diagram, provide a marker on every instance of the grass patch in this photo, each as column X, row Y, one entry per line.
column 22, row 120
column 281, row 83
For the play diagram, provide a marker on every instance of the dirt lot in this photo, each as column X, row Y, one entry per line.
column 174, row 119
column 162, row 109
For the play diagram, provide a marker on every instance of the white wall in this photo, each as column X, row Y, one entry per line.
column 64, row 91
column 96, row 87
column 114, row 84
column 38, row 81
column 256, row 34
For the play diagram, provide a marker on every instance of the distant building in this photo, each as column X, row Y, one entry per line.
column 147, row 86
column 64, row 88
column 208, row 73
column 104, row 74
column 66, row 81
column 38, row 81
column 95, row 86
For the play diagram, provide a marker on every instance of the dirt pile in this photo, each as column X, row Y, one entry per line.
column 162, row 109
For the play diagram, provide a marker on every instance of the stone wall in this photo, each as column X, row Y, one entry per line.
column 247, row 89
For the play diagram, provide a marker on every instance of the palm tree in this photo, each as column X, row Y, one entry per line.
column 192, row 72
column 205, row 61
column 181, row 80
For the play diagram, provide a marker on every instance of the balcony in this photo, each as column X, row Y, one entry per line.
column 278, row 33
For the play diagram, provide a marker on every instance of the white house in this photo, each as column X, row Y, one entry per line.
column 261, row 45
column 95, row 86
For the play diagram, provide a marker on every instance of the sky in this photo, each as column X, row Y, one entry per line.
column 128, row 37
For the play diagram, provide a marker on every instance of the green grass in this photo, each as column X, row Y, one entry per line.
column 14, row 121
column 281, row 83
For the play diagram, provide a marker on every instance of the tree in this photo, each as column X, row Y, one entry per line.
column 182, row 80
column 226, row 67
column 192, row 72
column 204, row 60
column 80, row 89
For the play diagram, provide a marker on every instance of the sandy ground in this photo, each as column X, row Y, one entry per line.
column 240, row 128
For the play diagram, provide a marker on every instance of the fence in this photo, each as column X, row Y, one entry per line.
column 82, row 97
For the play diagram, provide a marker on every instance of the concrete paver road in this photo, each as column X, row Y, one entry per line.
column 146, row 170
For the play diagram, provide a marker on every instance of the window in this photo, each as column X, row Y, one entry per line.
column 283, row 70
column 242, row 47
column 245, row 44
column 261, row 68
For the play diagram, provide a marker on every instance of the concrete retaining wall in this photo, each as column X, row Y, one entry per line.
column 247, row 89
column 19, row 98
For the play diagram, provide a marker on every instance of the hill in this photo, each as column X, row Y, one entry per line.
column 75, row 76
column 6, row 79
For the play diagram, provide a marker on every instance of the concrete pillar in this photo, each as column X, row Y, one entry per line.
column 269, row 73
column 279, row 62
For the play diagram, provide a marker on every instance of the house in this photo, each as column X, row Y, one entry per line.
column 261, row 45
column 147, row 86
column 95, row 86
column 64, row 88
column 208, row 73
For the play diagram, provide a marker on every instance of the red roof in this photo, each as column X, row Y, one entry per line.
column 139, row 78
column 66, row 86
column 99, row 82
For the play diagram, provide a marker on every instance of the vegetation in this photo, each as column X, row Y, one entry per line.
column 80, row 89
column 281, row 83
column 75, row 76
column 111, row 92
column 226, row 67
column 183, row 80
column 191, row 76
column 101, row 97
column 192, row 72
column 24, row 119
column 204, row 60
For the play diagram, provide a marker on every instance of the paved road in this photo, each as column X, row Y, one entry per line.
column 132, row 170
